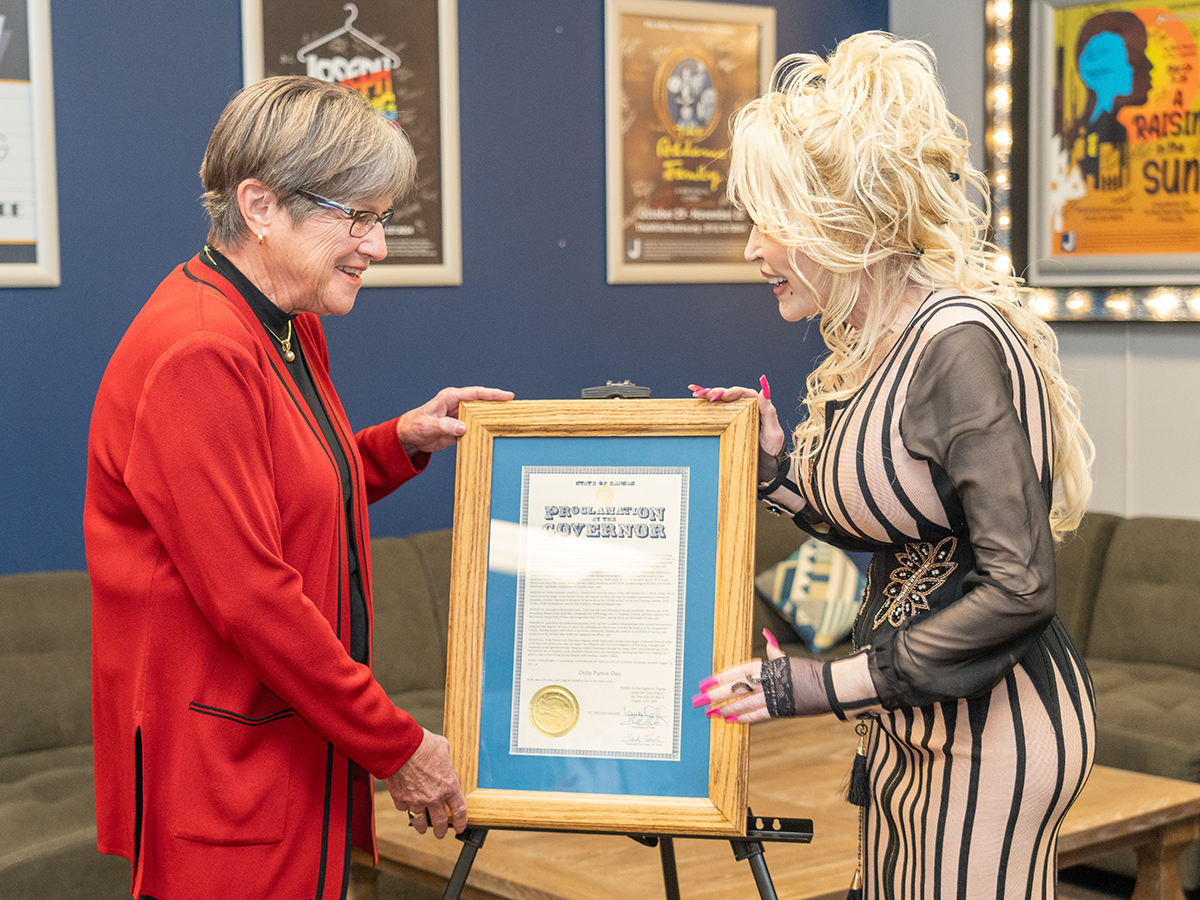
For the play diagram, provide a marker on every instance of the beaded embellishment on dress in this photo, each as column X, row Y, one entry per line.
column 923, row 568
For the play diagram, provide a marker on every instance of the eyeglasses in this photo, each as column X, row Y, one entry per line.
column 362, row 220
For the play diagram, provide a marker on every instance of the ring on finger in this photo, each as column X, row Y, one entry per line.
column 741, row 684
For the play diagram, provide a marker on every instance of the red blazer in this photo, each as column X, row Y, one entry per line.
column 226, row 707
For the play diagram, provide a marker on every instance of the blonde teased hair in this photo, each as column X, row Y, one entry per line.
column 856, row 162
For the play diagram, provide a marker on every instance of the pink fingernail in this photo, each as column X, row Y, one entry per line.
column 696, row 388
column 700, row 700
column 731, row 719
column 770, row 640
column 713, row 712
column 716, row 394
column 709, row 683
column 766, row 388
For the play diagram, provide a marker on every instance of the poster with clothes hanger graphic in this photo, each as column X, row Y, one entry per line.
column 402, row 55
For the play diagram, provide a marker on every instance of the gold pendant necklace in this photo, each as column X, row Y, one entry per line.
column 284, row 342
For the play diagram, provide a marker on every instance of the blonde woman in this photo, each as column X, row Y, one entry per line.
column 940, row 436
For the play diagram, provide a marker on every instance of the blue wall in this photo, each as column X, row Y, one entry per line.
column 137, row 95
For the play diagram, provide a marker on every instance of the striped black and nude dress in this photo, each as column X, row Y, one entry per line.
column 982, row 723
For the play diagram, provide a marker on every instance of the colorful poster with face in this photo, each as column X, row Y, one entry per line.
column 1125, row 145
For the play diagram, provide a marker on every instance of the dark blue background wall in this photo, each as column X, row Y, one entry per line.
column 136, row 96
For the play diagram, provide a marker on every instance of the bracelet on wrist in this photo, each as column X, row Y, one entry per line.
column 783, row 464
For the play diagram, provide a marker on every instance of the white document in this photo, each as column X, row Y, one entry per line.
column 601, row 589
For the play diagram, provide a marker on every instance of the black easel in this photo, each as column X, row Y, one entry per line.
column 758, row 831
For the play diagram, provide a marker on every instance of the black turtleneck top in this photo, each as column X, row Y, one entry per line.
column 276, row 322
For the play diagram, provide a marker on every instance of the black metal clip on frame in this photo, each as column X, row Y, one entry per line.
column 613, row 390
column 759, row 829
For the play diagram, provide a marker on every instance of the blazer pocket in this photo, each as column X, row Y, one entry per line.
column 233, row 785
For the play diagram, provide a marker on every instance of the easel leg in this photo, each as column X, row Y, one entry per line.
column 472, row 839
column 753, row 851
column 666, row 849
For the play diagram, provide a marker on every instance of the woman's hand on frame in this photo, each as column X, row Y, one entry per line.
column 770, row 433
column 435, row 425
column 738, row 695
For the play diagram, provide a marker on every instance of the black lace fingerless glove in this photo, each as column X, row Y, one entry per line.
column 793, row 686
column 772, row 470
column 777, row 687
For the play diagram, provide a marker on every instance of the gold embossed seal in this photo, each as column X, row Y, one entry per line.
column 553, row 710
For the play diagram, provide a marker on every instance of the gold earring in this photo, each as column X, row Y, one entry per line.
column 260, row 237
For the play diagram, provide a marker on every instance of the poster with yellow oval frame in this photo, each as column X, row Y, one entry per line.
column 675, row 72
column 602, row 566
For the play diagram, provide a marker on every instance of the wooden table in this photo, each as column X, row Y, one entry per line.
column 798, row 768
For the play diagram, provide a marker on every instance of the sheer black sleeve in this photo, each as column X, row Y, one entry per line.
column 959, row 415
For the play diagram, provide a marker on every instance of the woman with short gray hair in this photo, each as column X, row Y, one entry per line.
column 237, row 721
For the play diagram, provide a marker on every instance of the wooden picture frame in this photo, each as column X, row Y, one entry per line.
column 29, row 249
column 363, row 45
column 667, row 143
column 510, row 786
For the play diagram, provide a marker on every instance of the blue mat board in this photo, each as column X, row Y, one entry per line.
column 686, row 777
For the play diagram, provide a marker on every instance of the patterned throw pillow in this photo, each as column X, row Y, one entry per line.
column 818, row 590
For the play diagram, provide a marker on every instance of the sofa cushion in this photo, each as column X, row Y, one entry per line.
column 48, row 829
column 410, row 593
column 817, row 590
column 427, row 706
column 1147, row 718
column 1148, row 605
column 776, row 538
column 1080, row 563
column 45, row 661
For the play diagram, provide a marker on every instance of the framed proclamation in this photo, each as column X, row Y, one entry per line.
column 675, row 72
column 403, row 56
column 602, row 566
column 28, row 193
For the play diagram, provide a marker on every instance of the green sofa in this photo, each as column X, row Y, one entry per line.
column 1129, row 592
column 47, row 805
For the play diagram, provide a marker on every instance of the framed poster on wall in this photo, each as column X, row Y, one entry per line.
column 675, row 72
column 403, row 56
column 1114, row 143
column 28, row 192
column 602, row 566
